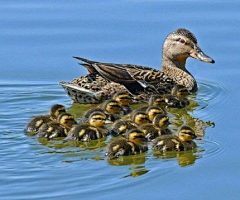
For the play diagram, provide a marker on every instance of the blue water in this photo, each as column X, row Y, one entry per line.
column 38, row 40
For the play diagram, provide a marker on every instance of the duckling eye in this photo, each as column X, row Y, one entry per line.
column 98, row 118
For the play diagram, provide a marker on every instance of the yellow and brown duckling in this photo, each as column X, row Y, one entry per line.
column 86, row 115
column 92, row 130
column 182, row 142
column 121, row 127
column 157, row 100
column 181, row 92
column 150, row 131
column 36, row 122
column 162, row 122
column 134, row 144
column 60, row 128
column 124, row 100
column 112, row 109
column 152, row 111
column 140, row 117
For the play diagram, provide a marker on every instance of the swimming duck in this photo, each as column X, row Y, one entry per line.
column 139, row 117
column 181, row 92
column 112, row 109
column 182, row 142
column 121, row 127
column 124, row 100
column 152, row 111
column 134, row 144
column 86, row 115
column 150, row 131
column 57, row 129
column 92, row 130
column 137, row 80
column 36, row 122
column 162, row 121
column 157, row 100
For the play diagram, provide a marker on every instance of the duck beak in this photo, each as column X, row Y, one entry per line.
column 198, row 54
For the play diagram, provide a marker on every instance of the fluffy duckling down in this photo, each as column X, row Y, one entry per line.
column 182, row 142
column 36, row 122
column 92, row 130
column 134, row 144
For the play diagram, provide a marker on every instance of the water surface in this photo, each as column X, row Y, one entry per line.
column 38, row 39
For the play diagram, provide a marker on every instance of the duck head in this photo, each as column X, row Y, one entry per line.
column 136, row 136
column 97, row 119
column 56, row 110
column 186, row 134
column 140, row 117
column 180, row 91
column 66, row 120
column 111, row 106
column 123, row 98
column 152, row 111
column 181, row 44
column 161, row 121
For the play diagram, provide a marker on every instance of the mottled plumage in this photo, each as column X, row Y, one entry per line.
column 138, row 80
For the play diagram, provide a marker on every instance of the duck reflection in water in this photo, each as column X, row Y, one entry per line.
column 184, row 158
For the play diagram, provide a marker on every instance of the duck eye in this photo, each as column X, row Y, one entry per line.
column 182, row 41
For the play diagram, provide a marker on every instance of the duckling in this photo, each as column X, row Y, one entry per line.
column 152, row 111
column 57, row 129
column 124, row 100
column 150, row 131
column 162, row 121
column 173, row 101
column 181, row 92
column 86, row 115
column 139, row 117
column 121, row 127
column 36, row 122
column 112, row 109
column 130, row 146
column 92, row 130
column 182, row 142
column 157, row 100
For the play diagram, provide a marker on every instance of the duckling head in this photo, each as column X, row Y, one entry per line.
column 136, row 136
column 152, row 111
column 97, row 119
column 180, row 91
column 186, row 134
column 111, row 106
column 123, row 98
column 161, row 121
column 66, row 120
column 56, row 110
column 157, row 100
column 140, row 117
column 181, row 44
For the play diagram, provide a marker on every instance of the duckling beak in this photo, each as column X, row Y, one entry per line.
column 198, row 54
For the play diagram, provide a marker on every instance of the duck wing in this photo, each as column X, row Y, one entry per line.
column 116, row 73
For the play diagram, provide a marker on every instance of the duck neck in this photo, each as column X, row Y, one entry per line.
column 175, row 69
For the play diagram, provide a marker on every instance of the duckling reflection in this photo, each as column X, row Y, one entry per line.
column 128, row 160
column 184, row 158
column 36, row 122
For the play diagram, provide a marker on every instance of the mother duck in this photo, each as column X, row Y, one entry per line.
column 105, row 79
